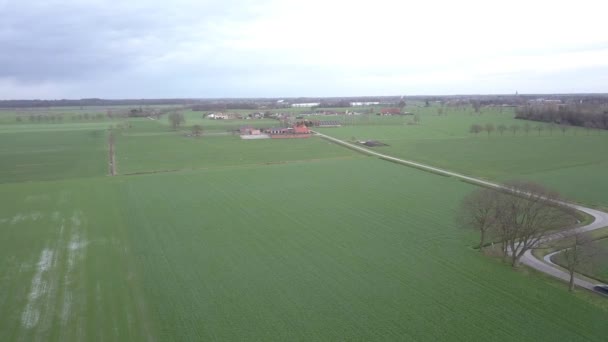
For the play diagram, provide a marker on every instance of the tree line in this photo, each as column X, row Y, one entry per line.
column 525, row 128
column 582, row 115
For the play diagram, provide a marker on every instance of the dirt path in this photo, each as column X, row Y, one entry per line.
column 112, row 155
column 600, row 217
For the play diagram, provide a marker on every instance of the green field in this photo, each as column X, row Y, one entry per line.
column 140, row 152
column 573, row 163
column 595, row 265
column 46, row 155
column 252, row 240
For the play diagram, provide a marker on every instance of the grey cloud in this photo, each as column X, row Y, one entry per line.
column 78, row 40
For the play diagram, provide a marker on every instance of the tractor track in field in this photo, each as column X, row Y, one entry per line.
column 112, row 155
column 528, row 259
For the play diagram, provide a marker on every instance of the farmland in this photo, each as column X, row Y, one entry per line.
column 141, row 152
column 572, row 162
column 51, row 154
column 255, row 240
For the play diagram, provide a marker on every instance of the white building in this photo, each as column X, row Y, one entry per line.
column 299, row 105
column 217, row 116
column 360, row 104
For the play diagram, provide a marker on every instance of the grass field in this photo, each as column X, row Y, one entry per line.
column 573, row 163
column 595, row 266
column 252, row 240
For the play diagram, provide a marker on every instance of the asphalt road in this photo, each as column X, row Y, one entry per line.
column 545, row 266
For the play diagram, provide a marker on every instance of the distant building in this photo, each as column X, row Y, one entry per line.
column 545, row 101
column 248, row 130
column 359, row 104
column 304, row 105
column 217, row 116
column 390, row 111
column 297, row 131
column 301, row 129
column 330, row 123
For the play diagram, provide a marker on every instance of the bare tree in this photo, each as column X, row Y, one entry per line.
column 501, row 128
column 478, row 211
column 476, row 128
column 526, row 216
column 197, row 130
column 489, row 128
column 176, row 119
column 527, row 128
column 514, row 128
column 476, row 106
column 588, row 126
column 551, row 127
column 578, row 251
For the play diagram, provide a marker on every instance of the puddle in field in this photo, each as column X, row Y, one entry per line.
column 20, row 217
column 55, row 274
column 39, row 288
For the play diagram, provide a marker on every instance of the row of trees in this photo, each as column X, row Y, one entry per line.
column 582, row 115
column 60, row 117
column 526, row 128
column 110, row 114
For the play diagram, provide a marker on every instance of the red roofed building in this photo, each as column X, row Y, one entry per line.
column 301, row 129
column 390, row 111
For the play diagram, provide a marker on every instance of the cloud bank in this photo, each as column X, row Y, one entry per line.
column 242, row 48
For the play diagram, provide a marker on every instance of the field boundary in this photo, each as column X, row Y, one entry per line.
column 240, row 166
column 528, row 259
column 112, row 154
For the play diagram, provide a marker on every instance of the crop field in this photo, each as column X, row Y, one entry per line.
column 45, row 155
column 251, row 240
column 163, row 152
column 573, row 163
column 330, row 254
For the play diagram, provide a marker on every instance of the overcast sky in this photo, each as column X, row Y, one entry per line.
column 273, row 48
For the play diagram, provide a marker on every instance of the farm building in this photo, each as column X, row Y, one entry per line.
column 275, row 130
column 248, row 130
column 390, row 111
column 217, row 116
column 300, row 129
column 297, row 131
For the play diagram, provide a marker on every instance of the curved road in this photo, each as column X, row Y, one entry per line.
column 546, row 266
